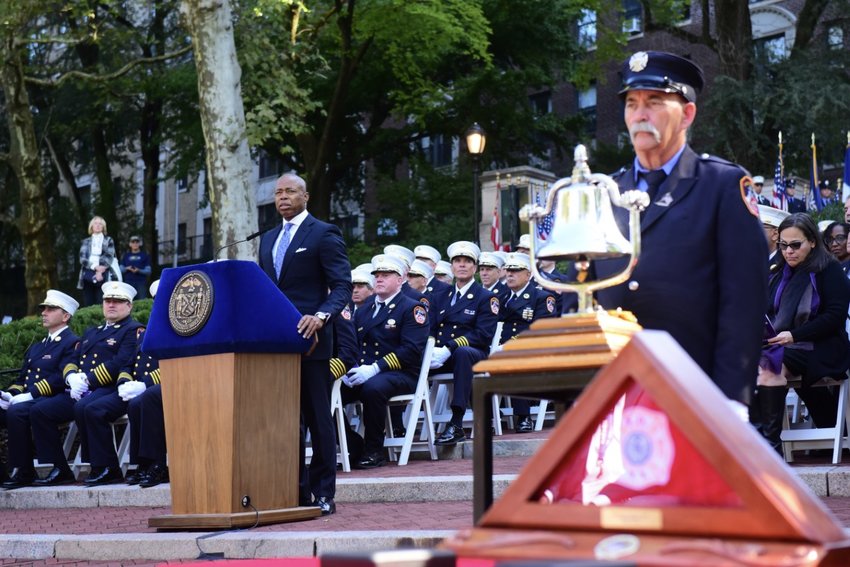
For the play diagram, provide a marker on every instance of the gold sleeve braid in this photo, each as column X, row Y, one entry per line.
column 392, row 361
column 337, row 368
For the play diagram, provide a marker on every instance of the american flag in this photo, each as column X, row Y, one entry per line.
column 495, row 228
column 544, row 225
column 780, row 196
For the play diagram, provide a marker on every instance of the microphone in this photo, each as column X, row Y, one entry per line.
column 229, row 244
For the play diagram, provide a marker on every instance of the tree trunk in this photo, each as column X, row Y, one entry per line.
column 228, row 161
column 33, row 225
column 149, row 139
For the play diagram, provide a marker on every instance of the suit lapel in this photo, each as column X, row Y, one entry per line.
column 679, row 183
column 294, row 244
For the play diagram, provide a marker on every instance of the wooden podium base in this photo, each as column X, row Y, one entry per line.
column 580, row 340
column 234, row 520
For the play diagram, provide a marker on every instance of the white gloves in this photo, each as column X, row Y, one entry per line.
column 440, row 356
column 5, row 400
column 358, row 376
column 79, row 384
column 129, row 390
column 21, row 398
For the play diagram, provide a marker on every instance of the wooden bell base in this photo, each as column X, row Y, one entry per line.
column 643, row 550
column 578, row 340
column 234, row 520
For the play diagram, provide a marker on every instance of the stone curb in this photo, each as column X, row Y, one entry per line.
column 231, row 545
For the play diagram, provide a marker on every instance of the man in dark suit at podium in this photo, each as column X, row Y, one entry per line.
column 306, row 258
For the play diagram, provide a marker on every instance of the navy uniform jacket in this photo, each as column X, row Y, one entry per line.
column 143, row 367
column 104, row 351
column 41, row 371
column 701, row 275
column 470, row 322
column 502, row 291
column 530, row 305
column 415, row 295
column 796, row 205
column 396, row 337
column 435, row 287
column 345, row 344
column 315, row 262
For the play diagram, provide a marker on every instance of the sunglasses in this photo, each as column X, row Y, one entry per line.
column 838, row 238
column 792, row 245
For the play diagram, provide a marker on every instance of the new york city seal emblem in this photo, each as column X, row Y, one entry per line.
column 191, row 303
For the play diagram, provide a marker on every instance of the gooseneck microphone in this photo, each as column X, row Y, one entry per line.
column 229, row 244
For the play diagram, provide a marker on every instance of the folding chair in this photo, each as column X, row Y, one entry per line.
column 122, row 448
column 339, row 416
column 820, row 437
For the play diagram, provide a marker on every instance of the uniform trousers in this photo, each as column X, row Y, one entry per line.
column 460, row 364
column 94, row 415
column 19, row 445
column 374, row 394
column 147, row 427
column 46, row 417
column 319, row 479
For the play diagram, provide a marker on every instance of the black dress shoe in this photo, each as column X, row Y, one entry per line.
column 19, row 479
column 371, row 461
column 451, row 436
column 106, row 475
column 156, row 474
column 525, row 425
column 56, row 477
column 326, row 504
column 136, row 476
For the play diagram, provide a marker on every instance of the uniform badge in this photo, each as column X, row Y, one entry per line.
column 390, row 323
column 638, row 61
column 346, row 313
column 419, row 314
column 550, row 304
column 751, row 206
column 392, row 305
column 469, row 312
column 494, row 305
column 57, row 338
column 424, row 301
column 111, row 342
column 528, row 313
column 469, row 296
column 526, row 296
column 47, row 357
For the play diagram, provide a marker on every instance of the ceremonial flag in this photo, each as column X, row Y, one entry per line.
column 544, row 225
column 813, row 177
column 495, row 229
column 780, row 196
column 846, row 190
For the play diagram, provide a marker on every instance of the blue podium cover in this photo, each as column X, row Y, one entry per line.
column 249, row 314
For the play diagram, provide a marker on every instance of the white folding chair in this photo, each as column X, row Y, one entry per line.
column 820, row 437
column 418, row 407
column 339, row 416
column 67, row 445
column 122, row 448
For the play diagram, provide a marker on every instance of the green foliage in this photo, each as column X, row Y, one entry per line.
column 17, row 336
column 831, row 212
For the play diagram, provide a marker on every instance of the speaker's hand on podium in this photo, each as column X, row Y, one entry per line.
column 308, row 325
column 358, row 376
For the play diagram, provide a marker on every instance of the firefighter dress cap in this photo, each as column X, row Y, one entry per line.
column 443, row 269
column 65, row 302
column 387, row 263
column 490, row 259
column 464, row 248
column 359, row 276
column 771, row 216
column 518, row 261
column 664, row 72
column 406, row 255
column 118, row 290
column 420, row 268
column 428, row 253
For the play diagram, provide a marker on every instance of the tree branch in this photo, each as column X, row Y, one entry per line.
column 18, row 42
column 109, row 76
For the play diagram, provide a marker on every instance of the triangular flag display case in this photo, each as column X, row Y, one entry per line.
column 653, row 465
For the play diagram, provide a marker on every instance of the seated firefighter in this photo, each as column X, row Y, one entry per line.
column 92, row 400
column 39, row 379
column 463, row 321
column 525, row 304
column 392, row 330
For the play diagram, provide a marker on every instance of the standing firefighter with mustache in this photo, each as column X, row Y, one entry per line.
column 702, row 274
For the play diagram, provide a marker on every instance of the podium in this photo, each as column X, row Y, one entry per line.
column 230, row 357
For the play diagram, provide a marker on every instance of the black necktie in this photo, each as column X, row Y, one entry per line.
column 511, row 298
column 455, row 297
column 653, row 179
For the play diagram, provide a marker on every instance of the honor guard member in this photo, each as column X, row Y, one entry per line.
column 428, row 254
column 524, row 244
column 92, row 401
column 139, row 385
column 363, row 286
column 796, row 205
column 443, row 273
column 434, row 285
column 306, row 259
column 489, row 272
column 392, row 336
column 523, row 305
column 503, row 256
column 39, row 379
column 463, row 323
column 758, row 187
column 418, row 277
column 702, row 275
column 771, row 217
column 407, row 258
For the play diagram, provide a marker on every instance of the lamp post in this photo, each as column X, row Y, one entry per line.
column 476, row 138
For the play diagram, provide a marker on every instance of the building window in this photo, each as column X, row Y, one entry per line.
column 270, row 166
column 183, row 184
column 587, row 107
column 632, row 17
column 267, row 216
column 835, row 37
column 206, row 246
column 541, row 103
column 181, row 239
column 770, row 49
column 587, row 29
column 438, row 150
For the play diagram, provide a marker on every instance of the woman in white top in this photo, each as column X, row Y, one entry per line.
column 96, row 255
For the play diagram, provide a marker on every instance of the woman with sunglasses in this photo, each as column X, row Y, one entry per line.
column 835, row 238
column 808, row 299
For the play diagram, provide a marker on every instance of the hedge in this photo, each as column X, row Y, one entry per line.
column 17, row 336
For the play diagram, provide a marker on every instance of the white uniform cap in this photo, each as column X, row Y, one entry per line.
column 118, row 290
column 154, row 288
column 490, row 259
column 823, row 224
column 405, row 254
column 429, row 252
column 443, row 269
column 771, row 216
column 464, row 248
column 56, row 298
column 758, row 180
column 387, row 263
column 518, row 261
column 363, row 277
column 501, row 254
column 420, row 268
column 363, row 268
column 524, row 241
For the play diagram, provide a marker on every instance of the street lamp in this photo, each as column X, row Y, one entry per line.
column 476, row 138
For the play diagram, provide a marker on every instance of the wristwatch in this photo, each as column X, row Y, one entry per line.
column 323, row 316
